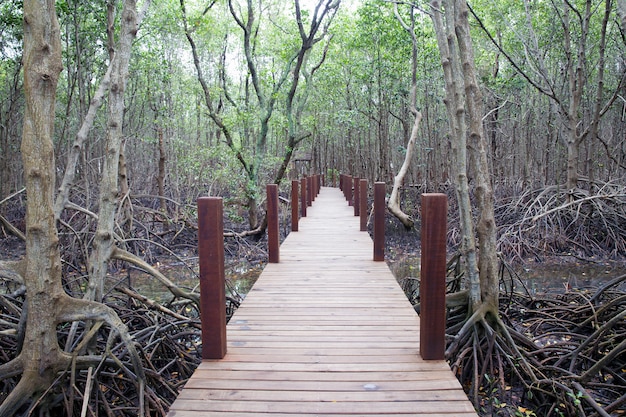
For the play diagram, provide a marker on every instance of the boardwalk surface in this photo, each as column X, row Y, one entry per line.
column 325, row 332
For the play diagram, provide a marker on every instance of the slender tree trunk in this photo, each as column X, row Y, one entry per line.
column 75, row 151
column 161, row 177
column 104, row 242
column 455, row 104
column 394, row 200
column 124, row 216
column 486, row 227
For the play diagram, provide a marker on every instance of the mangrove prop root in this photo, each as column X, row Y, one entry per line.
column 563, row 354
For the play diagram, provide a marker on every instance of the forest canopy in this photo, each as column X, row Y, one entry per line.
column 353, row 108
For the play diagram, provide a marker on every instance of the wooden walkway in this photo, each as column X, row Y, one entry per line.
column 325, row 332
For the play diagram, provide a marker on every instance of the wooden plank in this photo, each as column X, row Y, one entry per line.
column 327, row 386
column 325, row 407
column 316, row 396
column 398, row 376
column 325, row 332
column 324, row 367
column 417, row 413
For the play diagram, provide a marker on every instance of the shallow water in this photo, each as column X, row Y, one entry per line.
column 240, row 277
column 537, row 278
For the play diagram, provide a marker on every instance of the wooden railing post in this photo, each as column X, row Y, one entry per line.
column 309, row 191
column 379, row 221
column 363, row 204
column 357, row 193
column 348, row 187
column 294, row 205
column 212, row 282
column 433, row 276
column 303, row 204
column 273, row 242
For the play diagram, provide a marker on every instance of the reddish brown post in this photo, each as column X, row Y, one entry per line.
column 273, row 242
column 340, row 182
column 357, row 193
column 212, row 283
column 379, row 221
column 363, row 205
column 303, row 196
column 348, row 187
column 272, row 223
column 294, row 205
column 433, row 276
column 313, row 187
column 309, row 191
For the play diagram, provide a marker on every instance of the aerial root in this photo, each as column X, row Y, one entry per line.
column 554, row 221
column 564, row 354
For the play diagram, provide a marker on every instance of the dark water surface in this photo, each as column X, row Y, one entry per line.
column 240, row 277
column 538, row 278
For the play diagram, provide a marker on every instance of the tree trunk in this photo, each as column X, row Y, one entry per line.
column 10, row 114
column 477, row 144
column 104, row 243
column 40, row 355
column 573, row 150
column 455, row 104
column 394, row 200
column 161, row 178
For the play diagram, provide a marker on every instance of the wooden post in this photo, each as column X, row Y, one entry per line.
column 348, row 187
column 294, row 205
column 309, row 191
column 273, row 242
column 212, row 282
column 379, row 221
column 313, row 187
column 433, row 276
column 357, row 193
column 303, row 196
column 363, row 204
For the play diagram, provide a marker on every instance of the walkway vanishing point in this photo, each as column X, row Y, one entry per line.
column 325, row 332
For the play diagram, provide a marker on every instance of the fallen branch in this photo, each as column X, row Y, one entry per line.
column 153, row 304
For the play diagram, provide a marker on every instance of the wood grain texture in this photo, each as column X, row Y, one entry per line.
column 325, row 332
